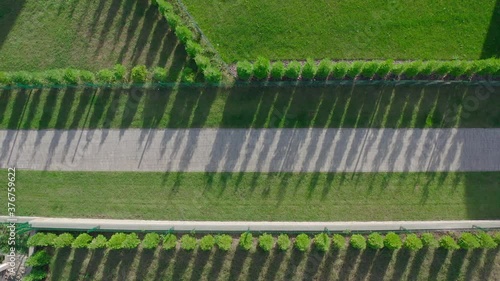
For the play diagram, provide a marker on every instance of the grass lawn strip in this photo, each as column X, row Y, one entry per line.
column 259, row 196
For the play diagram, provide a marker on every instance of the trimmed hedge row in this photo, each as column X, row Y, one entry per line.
column 262, row 69
column 266, row 242
column 118, row 74
column 201, row 56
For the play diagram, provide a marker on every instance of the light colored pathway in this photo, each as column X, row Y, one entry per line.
column 253, row 150
column 241, row 226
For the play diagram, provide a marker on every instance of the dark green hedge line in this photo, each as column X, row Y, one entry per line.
column 266, row 242
column 117, row 75
column 205, row 59
column 263, row 69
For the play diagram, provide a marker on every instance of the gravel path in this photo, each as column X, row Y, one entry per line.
column 253, row 150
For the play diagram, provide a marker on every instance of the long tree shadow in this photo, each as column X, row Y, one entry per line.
column 275, row 263
column 9, row 11
column 237, row 263
column 437, row 263
column 417, row 262
column 200, row 262
column 491, row 46
column 217, row 263
column 349, row 263
column 79, row 256
column 95, row 262
column 146, row 259
column 61, row 258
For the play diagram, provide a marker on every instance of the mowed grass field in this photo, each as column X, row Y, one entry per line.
column 478, row 265
column 259, row 196
column 350, row 29
column 444, row 106
column 86, row 34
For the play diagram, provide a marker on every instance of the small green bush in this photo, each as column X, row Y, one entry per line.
column 468, row 241
column 212, row 75
column 413, row 243
column 358, row 242
column 22, row 77
column 224, row 242
column 164, row 6
column 193, row 48
column 443, row 68
column 496, row 237
column 36, row 274
column 246, row 241
column 63, row 240
column 355, row 69
column 87, row 76
column 37, row 240
column 188, row 242
column 339, row 70
column 98, row 242
column 302, row 242
column 40, row 258
column 132, row 241
column 486, row 241
column 392, row 241
column 429, row 67
column 278, row 70
column 120, row 72
column 71, row 76
column 38, row 79
column 490, row 67
column 81, row 241
column 284, row 242
column 5, row 78
column 160, row 74
column 54, row 76
column 201, row 61
column 188, row 75
column 322, row 242
column 172, row 19
column 398, row 68
column 458, row 68
column 139, row 74
column 292, row 70
column 116, row 241
column 375, row 241
column 266, row 242
column 370, row 68
column 384, row 68
column 428, row 240
column 169, row 241
column 207, row 242
column 338, row 242
column 183, row 33
column 309, row 69
column 105, row 76
column 413, row 69
column 244, row 70
column 151, row 241
column 261, row 68
column 448, row 243
column 324, row 69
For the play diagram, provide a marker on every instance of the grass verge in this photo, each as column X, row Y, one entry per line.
column 444, row 106
column 259, row 196
column 350, row 29
column 236, row 264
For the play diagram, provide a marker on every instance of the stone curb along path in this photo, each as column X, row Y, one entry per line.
column 253, row 150
column 43, row 223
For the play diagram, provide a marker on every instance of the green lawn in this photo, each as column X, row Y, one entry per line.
column 290, row 265
column 259, row 196
column 86, row 34
column 350, row 29
column 252, row 107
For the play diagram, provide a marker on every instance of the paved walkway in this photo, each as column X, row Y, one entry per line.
column 241, row 226
column 253, row 150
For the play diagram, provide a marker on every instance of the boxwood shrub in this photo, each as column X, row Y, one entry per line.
column 496, row 237
column 322, row 242
column 398, row 68
column 116, row 241
column 160, row 74
column 183, row 33
column 188, row 75
column 139, row 74
column 81, row 241
column 355, row 69
column 486, row 241
column 132, row 241
column 212, row 74
column 21, row 77
column 468, row 241
column 224, row 242
column 428, row 240
column 105, row 76
column 448, row 243
column 266, row 242
column 309, row 69
column 413, row 243
column 40, row 258
column 429, row 67
column 87, row 76
column 384, row 68
column 375, row 241
column 169, row 241
column 202, row 61
column 244, row 70
column 151, row 241
column 63, row 240
column 54, row 76
column 370, row 69
column 193, row 48
column 120, row 72
column 246, row 241
column 277, row 70
column 40, row 239
column 302, row 242
column 172, row 19
column 261, row 68
column 392, row 241
column 413, row 69
column 98, row 242
column 324, row 69
column 338, row 242
column 339, row 70
column 284, row 242
column 293, row 70
column 36, row 274
column 207, row 242
column 188, row 242
column 358, row 242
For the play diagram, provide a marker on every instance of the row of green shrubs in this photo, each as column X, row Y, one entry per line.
column 266, row 242
column 193, row 48
column 118, row 74
column 39, row 261
column 263, row 69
